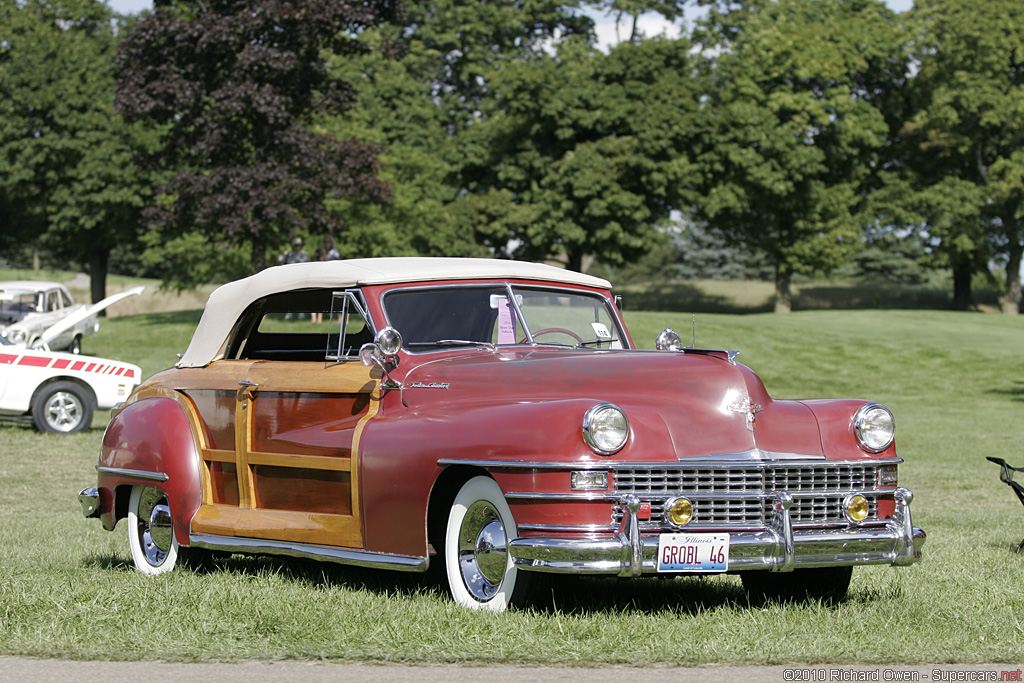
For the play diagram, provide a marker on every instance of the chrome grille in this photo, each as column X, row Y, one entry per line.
column 741, row 496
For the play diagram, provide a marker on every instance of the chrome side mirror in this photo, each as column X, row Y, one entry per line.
column 383, row 352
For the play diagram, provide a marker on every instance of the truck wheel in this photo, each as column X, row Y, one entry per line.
column 827, row 584
column 62, row 408
column 478, row 565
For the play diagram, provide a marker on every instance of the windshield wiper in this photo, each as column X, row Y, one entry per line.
column 452, row 342
column 584, row 344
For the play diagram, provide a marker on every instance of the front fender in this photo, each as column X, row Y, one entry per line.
column 150, row 442
column 399, row 454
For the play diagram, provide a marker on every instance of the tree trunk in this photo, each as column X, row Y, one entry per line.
column 574, row 260
column 259, row 257
column 962, row 274
column 98, row 275
column 783, row 293
column 1011, row 297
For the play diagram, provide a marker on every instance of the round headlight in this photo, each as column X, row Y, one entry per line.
column 15, row 335
column 875, row 427
column 605, row 428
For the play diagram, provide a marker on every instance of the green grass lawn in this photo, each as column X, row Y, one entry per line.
column 954, row 381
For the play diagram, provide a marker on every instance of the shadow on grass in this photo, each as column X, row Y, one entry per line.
column 189, row 317
column 683, row 297
column 108, row 562
column 1015, row 393
column 577, row 595
column 686, row 297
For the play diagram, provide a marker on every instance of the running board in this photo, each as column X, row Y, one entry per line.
column 358, row 558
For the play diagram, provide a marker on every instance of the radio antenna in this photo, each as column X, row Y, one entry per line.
column 693, row 332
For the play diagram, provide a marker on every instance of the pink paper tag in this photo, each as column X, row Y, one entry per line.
column 506, row 328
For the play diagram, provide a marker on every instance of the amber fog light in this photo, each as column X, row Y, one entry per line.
column 679, row 511
column 856, row 508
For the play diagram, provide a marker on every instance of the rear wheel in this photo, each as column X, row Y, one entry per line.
column 827, row 584
column 150, row 533
column 62, row 408
column 154, row 546
column 479, row 568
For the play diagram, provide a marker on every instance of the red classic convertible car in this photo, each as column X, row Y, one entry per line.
column 496, row 418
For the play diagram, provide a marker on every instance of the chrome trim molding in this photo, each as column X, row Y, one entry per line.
column 526, row 464
column 599, row 496
column 132, row 474
column 725, row 459
column 572, row 529
column 778, row 548
column 753, row 455
column 358, row 558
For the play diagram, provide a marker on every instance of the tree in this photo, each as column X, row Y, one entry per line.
column 796, row 100
column 236, row 88
column 67, row 181
column 634, row 9
column 963, row 174
column 584, row 155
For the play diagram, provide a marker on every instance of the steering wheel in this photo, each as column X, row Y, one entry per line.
column 554, row 330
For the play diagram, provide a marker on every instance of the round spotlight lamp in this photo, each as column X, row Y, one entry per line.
column 389, row 341
column 668, row 340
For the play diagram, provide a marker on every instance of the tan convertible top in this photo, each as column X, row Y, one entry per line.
column 228, row 302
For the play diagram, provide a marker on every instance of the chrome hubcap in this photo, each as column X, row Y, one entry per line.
column 483, row 550
column 155, row 531
column 63, row 411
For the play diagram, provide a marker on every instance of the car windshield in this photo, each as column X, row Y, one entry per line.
column 15, row 305
column 502, row 315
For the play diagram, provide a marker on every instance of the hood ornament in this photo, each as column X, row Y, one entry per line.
column 750, row 409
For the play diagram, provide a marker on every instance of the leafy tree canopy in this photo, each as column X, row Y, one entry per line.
column 962, row 176
column 67, row 180
column 796, row 120
column 236, row 87
column 585, row 154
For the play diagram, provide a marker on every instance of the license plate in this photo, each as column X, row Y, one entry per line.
column 693, row 552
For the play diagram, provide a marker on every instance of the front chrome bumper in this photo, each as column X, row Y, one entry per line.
column 777, row 548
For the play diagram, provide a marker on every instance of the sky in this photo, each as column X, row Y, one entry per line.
column 606, row 31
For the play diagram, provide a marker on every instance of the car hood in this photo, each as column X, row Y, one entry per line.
column 691, row 404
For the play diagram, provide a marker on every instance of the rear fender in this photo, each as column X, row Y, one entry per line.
column 150, row 443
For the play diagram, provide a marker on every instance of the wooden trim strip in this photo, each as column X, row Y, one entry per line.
column 307, row 462
column 213, row 455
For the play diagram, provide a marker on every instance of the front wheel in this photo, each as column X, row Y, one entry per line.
column 827, row 584
column 479, row 568
column 62, row 408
